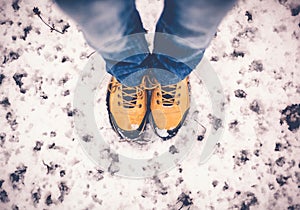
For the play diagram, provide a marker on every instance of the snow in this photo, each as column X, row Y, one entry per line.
column 256, row 162
column 162, row 132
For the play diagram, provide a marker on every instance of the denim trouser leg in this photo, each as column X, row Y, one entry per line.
column 183, row 32
column 114, row 29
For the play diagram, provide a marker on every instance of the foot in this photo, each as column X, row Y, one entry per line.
column 169, row 107
column 127, row 108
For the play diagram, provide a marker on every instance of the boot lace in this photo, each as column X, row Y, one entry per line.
column 168, row 94
column 168, row 91
column 129, row 96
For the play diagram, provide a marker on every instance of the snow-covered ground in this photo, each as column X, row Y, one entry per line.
column 255, row 165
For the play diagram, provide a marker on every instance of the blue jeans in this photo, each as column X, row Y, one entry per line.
column 115, row 30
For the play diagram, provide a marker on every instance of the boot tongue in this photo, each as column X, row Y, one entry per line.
column 129, row 97
column 168, row 95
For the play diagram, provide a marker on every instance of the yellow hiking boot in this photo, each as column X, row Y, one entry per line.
column 127, row 108
column 169, row 107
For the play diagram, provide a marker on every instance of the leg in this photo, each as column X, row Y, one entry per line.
column 114, row 29
column 183, row 32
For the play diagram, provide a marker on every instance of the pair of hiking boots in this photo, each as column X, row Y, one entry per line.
column 164, row 107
